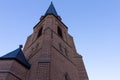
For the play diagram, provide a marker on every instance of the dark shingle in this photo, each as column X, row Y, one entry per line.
column 51, row 10
column 17, row 55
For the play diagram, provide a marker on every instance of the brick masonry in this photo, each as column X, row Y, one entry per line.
column 51, row 53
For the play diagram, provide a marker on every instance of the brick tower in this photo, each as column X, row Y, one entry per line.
column 49, row 54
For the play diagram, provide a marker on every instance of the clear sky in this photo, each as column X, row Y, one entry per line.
column 94, row 24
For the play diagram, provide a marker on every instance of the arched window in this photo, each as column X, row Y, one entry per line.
column 67, row 77
column 40, row 32
column 60, row 47
column 59, row 32
column 66, row 51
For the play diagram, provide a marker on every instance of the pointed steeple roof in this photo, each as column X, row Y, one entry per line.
column 17, row 55
column 51, row 10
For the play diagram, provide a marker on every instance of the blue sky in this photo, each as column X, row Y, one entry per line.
column 94, row 24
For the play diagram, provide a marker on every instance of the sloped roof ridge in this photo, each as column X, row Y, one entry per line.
column 17, row 55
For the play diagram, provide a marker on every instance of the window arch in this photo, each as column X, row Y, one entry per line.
column 67, row 77
column 66, row 51
column 59, row 32
column 39, row 32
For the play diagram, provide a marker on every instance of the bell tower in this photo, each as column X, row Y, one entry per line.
column 50, row 53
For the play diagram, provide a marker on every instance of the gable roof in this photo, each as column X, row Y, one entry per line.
column 17, row 55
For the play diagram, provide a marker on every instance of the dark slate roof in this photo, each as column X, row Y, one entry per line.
column 51, row 10
column 17, row 55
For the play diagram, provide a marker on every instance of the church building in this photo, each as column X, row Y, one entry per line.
column 49, row 54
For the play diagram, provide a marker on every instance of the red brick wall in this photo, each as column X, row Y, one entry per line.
column 12, row 70
column 50, row 55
